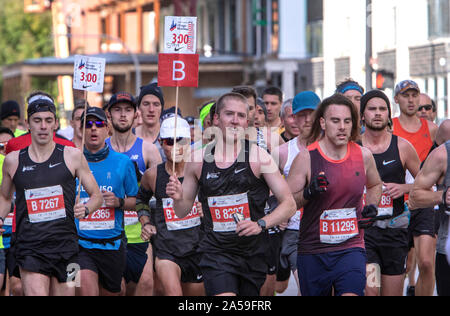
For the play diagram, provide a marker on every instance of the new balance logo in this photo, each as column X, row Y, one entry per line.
column 212, row 176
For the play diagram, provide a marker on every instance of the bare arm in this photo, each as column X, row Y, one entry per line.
column 374, row 186
column 299, row 177
column 183, row 195
column 435, row 167
column 78, row 164
column 411, row 162
column 286, row 204
column 7, row 187
column 151, row 155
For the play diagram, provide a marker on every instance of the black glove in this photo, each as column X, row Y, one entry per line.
column 369, row 216
column 318, row 185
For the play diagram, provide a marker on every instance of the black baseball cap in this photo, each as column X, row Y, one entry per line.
column 40, row 103
column 96, row 112
column 122, row 97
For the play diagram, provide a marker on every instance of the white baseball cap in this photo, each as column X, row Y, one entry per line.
column 168, row 125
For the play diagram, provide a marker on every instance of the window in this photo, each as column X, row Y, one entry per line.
column 438, row 18
column 314, row 28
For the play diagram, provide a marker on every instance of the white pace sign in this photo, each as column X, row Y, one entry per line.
column 89, row 73
column 180, row 35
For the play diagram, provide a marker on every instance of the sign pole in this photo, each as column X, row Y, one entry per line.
column 175, row 130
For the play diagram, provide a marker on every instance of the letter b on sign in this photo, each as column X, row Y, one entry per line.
column 178, row 70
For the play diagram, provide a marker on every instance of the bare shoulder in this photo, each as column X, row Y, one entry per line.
column 149, row 178
column 432, row 126
column 404, row 145
column 72, row 157
column 11, row 162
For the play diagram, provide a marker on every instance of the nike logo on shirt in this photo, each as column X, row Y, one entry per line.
column 385, row 163
column 55, row 165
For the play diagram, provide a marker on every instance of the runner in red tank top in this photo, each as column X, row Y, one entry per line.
column 328, row 181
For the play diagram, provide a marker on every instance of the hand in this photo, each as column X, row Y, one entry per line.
column 79, row 210
column 110, row 199
column 369, row 216
column 174, row 189
column 248, row 228
column 199, row 207
column 394, row 190
column 147, row 231
column 1, row 226
column 317, row 186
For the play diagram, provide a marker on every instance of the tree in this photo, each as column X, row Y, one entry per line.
column 23, row 35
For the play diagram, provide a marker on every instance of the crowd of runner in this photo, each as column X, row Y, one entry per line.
column 135, row 199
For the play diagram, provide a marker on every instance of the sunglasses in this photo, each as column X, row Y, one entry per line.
column 98, row 124
column 426, row 108
column 171, row 141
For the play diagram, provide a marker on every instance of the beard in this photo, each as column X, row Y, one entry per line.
column 378, row 128
column 121, row 129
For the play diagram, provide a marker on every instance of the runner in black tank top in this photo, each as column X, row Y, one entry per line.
column 230, row 179
column 45, row 196
column 387, row 241
column 170, row 229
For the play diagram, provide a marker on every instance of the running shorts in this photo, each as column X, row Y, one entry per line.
column 229, row 273
column 55, row 265
column 108, row 264
column 422, row 223
column 344, row 271
column 136, row 260
column 388, row 248
column 189, row 265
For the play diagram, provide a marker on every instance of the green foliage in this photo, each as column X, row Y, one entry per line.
column 23, row 35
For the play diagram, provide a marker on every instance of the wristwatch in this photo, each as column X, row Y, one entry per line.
column 121, row 203
column 262, row 224
column 86, row 211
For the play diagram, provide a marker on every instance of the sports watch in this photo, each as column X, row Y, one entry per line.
column 262, row 224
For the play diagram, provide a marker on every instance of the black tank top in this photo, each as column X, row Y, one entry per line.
column 227, row 191
column 45, row 196
column 391, row 170
column 171, row 229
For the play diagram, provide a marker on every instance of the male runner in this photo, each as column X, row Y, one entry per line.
column 421, row 134
column 251, row 96
column 328, row 181
column 151, row 105
column 273, row 99
column 75, row 122
column 233, row 180
column 303, row 107
column 387, row 240
column 10, row 116
column 436, row 172
column 102, row 256
column 291, row 129
column 43, row 177
column 122, row 111
column 176, row 264
column 23, row 141
column 352, row 90
column 426, row 108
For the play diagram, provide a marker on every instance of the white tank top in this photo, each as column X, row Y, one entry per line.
column 293, row 151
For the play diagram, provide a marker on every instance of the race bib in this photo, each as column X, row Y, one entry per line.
column 45, row 204
column 101, row 219
column 338, row 226
column 294, row 221
column 174, row 223
column 386, row 206
column 224, row 210
column 9, row 219
column 131, row 218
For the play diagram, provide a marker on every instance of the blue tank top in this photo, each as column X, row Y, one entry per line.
column 114, row 174
column 135, row 153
